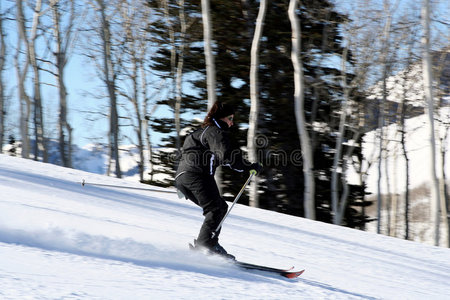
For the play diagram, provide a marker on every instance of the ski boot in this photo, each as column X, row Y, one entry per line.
column 219, row 250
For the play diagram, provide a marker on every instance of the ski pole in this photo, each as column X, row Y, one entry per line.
column 234, row 202
column 83, row 183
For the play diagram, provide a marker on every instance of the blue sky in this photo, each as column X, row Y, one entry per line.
column 81, row 78
column 87, row 81
column 83, row 86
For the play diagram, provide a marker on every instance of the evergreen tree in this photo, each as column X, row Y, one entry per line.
column 279, row 148
column 323, row 94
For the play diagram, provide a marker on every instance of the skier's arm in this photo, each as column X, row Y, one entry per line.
column 225, row 154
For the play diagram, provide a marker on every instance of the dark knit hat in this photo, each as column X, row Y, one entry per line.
column 223, row 110
column 218, row 111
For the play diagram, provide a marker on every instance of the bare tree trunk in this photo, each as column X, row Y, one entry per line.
column 337, row 215
column 443, row 188
column 146, row 118
column 135, row 100
column 308, row 198
column 132, row 55
column 210, row 69
column 110, row 81
column 405, row 155
column 406, row 158
column 2, row 84
column 21, row 72
column 381, row 117
column 359, row 41
column 402, row 128
column 443, row 140
column 62, row 43
column 39, row 146
column 339, row 203
column 139, row 129
column 146, row 127
column 209, row 57
column 148, row 143
column 428, row 86
column 40, row 143
column 179, row 75
column 388, row 204
column 380, row 162
column 254, row 98
column 395, row 194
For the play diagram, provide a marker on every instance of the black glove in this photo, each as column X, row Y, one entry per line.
column 256, row 168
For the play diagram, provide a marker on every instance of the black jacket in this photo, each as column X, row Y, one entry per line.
column 207, row 148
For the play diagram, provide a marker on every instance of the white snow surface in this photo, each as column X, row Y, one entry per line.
column 59, row 240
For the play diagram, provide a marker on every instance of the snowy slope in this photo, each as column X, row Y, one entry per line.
column 59, row 240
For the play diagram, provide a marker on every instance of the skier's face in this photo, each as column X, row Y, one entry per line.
column 228, row 120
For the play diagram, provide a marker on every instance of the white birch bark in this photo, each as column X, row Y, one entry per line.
column 308, row 198
column 21, row 73
column 209, row 57
column 381, row 107
column 210, row 69
column 254, row 100
column 179, row 75
column 428, row 86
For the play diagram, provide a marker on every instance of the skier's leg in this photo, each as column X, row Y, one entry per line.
column 206, row 194
column 210, row 223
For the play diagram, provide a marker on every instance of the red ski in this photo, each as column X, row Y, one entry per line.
column 285, row 273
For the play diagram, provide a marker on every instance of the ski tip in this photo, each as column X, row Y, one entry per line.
column 292, row 275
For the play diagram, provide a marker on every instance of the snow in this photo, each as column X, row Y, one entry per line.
column 417, row 136
column 406, row 84
column 59, row 240
column 417, row 143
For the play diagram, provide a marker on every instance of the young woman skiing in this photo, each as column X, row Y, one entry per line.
column 203, row 151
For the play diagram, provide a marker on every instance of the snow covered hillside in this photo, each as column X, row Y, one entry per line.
column 417, row 136
column 59, row 240
column 393, row 182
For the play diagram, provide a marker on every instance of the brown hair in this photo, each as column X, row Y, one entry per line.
column 218, row 110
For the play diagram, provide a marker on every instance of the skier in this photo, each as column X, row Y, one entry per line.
column 203, row 151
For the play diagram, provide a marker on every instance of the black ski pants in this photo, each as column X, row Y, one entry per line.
column 202, row 190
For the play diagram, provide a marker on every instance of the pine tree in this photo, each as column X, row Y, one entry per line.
column 233, row 23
